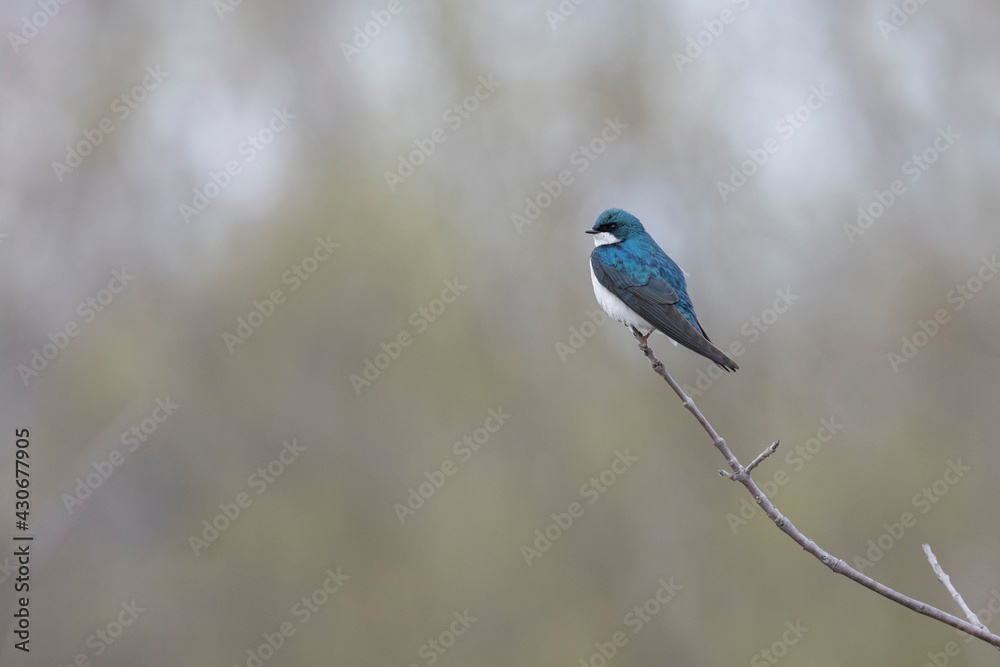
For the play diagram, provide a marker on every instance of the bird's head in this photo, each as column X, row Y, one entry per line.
column 615, row 226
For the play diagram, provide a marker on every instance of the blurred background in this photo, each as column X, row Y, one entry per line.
column 298, row 315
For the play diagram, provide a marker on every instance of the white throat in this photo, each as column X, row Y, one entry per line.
column 605, row 238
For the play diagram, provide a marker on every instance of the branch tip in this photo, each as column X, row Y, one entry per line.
column 946, row 580
column 763, row 455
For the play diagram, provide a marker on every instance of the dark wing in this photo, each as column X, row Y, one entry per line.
column 654, row 302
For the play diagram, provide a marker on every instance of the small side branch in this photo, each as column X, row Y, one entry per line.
column 946, row 580
column 738, row 476
column 742, row 475
column 763, row 455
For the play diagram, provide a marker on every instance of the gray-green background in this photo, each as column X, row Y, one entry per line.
column 502, row 343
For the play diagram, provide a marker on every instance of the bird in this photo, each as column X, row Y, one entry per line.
column 638, row 284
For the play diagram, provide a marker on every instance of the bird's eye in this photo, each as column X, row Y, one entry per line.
column 613, row 226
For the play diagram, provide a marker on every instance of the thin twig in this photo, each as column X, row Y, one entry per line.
column 753, row 464
column 741, row 475
column 946, row 580
column 763, row 455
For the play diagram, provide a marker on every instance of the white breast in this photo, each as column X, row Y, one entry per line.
column 616, row 308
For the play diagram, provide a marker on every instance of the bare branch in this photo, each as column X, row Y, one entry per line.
column 763, row 455
column 753, row 464
column 946, row 580
column 742, row 475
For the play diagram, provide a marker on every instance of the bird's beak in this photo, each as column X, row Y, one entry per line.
column 590, row 231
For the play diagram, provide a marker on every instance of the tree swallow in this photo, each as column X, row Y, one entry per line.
column 638, row 284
